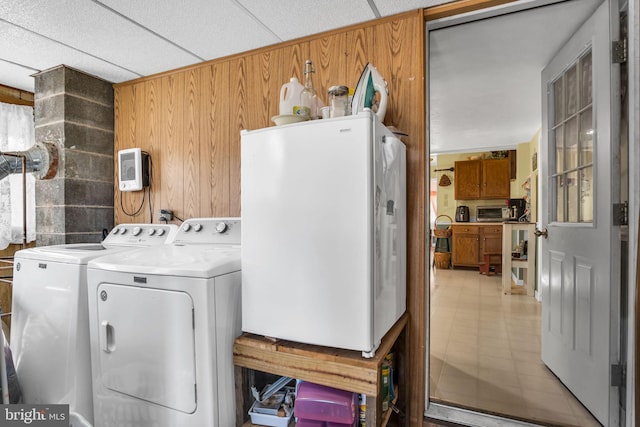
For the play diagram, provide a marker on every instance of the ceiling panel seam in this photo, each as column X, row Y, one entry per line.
column 26, row 67
column 150, row 31
column 255, row 18
column 374, row 8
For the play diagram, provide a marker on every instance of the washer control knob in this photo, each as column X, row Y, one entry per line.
column 136, row 231
column 151, row 231
column 116, row 230
column 186, row 227
column 221, row 227
column 123, row 230
column 160, row 231
column 197, row 227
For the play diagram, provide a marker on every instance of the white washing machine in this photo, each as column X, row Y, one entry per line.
column 49, row 322
column 162, row 326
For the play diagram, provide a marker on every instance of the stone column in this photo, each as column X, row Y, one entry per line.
column 75, row 111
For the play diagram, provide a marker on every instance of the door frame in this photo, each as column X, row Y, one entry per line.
column 467, row 10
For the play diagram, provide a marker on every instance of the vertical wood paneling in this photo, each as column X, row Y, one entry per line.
column 191, row 159
column 263, row 86
column 214, row 155
column 292, row 62
column 173, row 162
column 399, row 56
column 154, row 145
column 238, row 120
column 330, row 62
column 360, row 48
column 135, row 200
column 130, row 104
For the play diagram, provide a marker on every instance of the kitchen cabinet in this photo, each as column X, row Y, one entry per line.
column 482, row 179
column 465, row 242
column 471, row 241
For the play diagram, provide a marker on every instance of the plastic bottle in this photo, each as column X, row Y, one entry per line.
column 290, row 95
column 308, row 98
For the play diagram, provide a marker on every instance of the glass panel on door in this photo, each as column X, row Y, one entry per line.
column 572, row 138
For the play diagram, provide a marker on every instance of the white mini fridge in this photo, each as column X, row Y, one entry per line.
column 324, row 232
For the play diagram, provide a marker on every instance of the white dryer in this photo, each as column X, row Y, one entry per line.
column 49, row 322
column 162, row 327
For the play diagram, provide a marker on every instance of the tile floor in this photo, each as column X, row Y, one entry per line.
column 485, row 352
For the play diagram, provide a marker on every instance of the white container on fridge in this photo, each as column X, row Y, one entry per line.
column 324, row 232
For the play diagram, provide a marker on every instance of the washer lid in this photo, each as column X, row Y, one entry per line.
column 78, row 253
column 199, row 261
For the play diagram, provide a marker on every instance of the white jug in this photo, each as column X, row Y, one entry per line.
column 290, row 95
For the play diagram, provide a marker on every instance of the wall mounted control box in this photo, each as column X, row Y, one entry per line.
column 133, row 169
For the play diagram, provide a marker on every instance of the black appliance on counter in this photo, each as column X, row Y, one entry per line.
column 462, row 214
column 517, row 208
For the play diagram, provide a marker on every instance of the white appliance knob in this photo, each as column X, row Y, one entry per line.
column 136, row 230
column 186, row 227
column 123, row 231
column 221, row 227
column 116, row 230
column 161, row 232
column 151, row 231
column 197, row 227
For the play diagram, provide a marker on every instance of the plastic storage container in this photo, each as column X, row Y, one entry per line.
column 290, row 95
column 313, row 423
column 268, row 419
column 334, row 407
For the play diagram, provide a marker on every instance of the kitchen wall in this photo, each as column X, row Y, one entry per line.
column 446, row 195
column 189, row 120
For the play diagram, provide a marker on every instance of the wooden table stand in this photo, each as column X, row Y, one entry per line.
column 341, row 369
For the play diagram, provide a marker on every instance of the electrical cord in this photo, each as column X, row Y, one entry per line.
column 144, row 193
column 150, row 182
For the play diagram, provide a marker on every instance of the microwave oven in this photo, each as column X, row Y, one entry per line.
column 490, row 213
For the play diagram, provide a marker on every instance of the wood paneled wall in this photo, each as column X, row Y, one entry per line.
column 190, row 119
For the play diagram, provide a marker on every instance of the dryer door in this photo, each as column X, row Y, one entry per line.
column 147, row 347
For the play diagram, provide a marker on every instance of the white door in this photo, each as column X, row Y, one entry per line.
column 577, row 281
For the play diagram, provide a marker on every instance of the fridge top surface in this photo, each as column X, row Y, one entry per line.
column 364, row 115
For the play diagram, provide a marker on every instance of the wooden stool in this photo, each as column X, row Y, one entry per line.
column 491, row 259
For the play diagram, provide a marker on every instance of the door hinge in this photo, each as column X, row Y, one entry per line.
column 619, row 51
column 618, row 375
column 621, row 213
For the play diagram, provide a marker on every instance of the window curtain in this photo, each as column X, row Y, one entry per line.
column 17, row 133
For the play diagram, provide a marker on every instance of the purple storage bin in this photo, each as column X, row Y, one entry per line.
column 314, row 402
column 301, row 422
column 313, row 423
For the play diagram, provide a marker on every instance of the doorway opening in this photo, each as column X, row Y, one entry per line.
column 484, row 345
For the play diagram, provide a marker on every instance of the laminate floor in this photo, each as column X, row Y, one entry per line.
column 485, row 352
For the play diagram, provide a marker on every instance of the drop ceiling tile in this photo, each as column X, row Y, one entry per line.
column 90, row 28
column 36, row 53
column 209, row 29
column 290, row 19
column 391, row 7
column 16, row 76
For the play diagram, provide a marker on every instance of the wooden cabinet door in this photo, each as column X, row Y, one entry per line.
column 465, row 246
column 467, row 179
column 495, row 179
